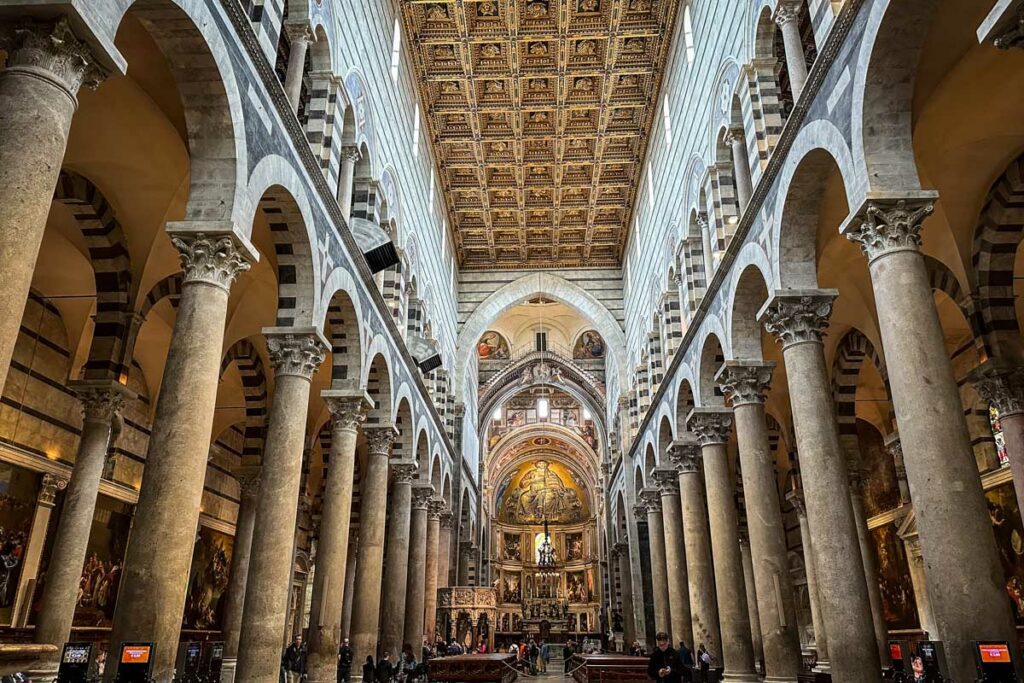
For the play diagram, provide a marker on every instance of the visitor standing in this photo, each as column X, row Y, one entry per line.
column 686, row 657
column 345, row 661
column 704, row 662
column 664, row 665
column 295, row 660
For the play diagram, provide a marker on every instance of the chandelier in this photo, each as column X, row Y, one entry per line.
column 546, row 562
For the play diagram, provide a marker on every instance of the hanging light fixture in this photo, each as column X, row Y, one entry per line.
column 546, row 561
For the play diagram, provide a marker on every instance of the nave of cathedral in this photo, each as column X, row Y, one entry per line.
column 409, row 326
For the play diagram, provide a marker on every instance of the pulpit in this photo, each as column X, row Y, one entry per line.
column 468, row 615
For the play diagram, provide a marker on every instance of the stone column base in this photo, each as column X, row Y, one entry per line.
column 43, row 672
column 822, row 667
column 227, row 670
column 741, row 678
column 779, row 679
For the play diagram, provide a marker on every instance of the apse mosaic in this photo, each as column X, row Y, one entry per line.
column 541, row 490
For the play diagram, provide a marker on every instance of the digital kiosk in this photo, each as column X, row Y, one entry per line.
column 76, row 664
column 134, row 662
column 994, row 661
column 213, row 661
column 187, row 666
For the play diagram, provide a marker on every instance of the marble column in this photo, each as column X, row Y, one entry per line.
column 101, row 402
column 45, row 500
column 798, row 319
column 962, row 569
column 372, row 519
column 735, row 138
column 650, row 502
column 248, row 488
column 748, row 581
column 349, row 156
column 1002, row 386
column 300, row 37
column 466, row 553
column 296, row 355
column 396, row 566
column 348, row 410
column 415, row 593
column 621, row 552
column 444, row 548
column 685, row 454
column 867, row 554
column 46, row 66
column 434, row 511
column 350, row 583
column 680, row 619
column 745, row 383
column 796, row 498
column 707, row 245
column 787, row 16
column 152, row 595
column 711, row 427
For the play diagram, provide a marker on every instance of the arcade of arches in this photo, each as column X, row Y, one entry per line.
column 415, row 321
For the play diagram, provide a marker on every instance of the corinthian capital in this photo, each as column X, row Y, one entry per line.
column 787, row 12
column 798, row 316
column 1000, row 385
column 101, row 401
column 295, row 352
column 348, row 408
column 447, row 518
column 685, row 454
column 710, row 425
column 650, row 500
column 212, row 259
column 435, row 508
column 379, row 439
column 667, row 480
column 745, row 382
column 404, row 471
column 421, row 494
column 887, row 225
column 51, row 49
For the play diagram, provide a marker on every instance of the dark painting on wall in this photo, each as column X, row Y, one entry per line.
column 573, row 547
column 1009, row 532
column 17, row 506
column 101, row 573
column 881, row 491
column 208, row 580
column 898, row 603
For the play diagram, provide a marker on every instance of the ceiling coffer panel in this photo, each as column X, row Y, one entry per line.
column 539, row 112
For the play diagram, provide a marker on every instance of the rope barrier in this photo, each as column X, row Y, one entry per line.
column 545, row 675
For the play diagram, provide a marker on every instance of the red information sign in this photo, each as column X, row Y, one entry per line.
column 994, row 653
column 135, row 654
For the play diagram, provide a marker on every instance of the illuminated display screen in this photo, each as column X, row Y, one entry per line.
column 994, row 653
column 135, row 654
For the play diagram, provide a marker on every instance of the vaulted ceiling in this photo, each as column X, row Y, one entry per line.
column 539, row 111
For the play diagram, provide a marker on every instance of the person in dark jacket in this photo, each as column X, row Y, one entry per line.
column 295, row 660
column 567, row 652
column 369, row 670
column 664, row 665
column 704, row 662
column 687, row 659
column 385, row 669
column 344, row 661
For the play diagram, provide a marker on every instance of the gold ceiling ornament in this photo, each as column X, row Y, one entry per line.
column 539, row 106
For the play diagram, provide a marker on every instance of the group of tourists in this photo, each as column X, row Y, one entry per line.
column 404, row 669
column 669, row 665
column 531, row 657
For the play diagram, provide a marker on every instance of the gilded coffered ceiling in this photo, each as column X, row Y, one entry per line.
column 539, row 112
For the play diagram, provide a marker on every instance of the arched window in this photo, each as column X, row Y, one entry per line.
column 691, row 51
column 396, row 50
